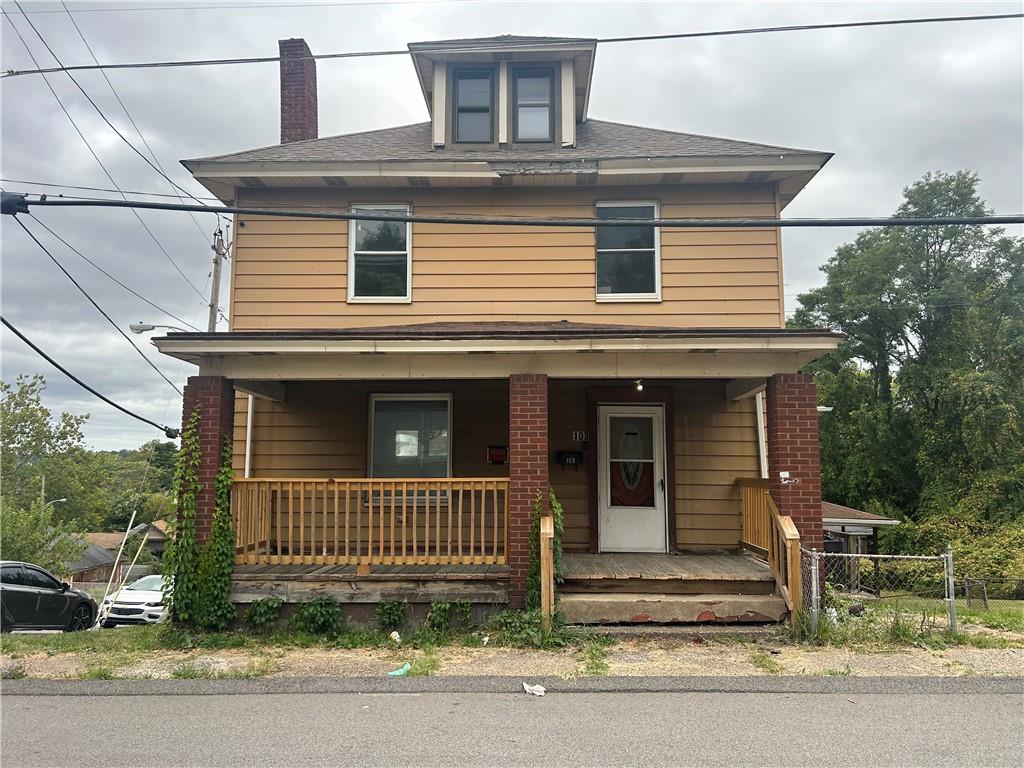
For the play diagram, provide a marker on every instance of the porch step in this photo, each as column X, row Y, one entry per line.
column 732, row 573
column 642, row 608
column 677, row 586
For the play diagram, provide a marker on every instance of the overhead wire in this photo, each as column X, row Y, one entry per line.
column 99, row 162
column 97, row 189
column 95, row 304
column 131, row 120
column 114, row 278
column 171, row 432
column 525, row 44
column 688, row 223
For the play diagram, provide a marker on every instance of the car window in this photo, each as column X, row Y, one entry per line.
column 36, row 578
column 148, row 583
column 11, row 574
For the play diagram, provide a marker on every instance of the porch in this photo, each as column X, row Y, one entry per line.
column 353, row 462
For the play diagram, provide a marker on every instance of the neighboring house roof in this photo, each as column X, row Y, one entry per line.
column 93, row 557
column 595, row 140
column 105, row 540
column 155, row 532
column 160, row 525
column 837, row 514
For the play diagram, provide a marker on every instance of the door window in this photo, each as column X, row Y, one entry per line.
column 11, row 574
column 631, row 461
column 36, row 578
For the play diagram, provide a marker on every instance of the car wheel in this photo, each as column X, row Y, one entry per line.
column 80, row 619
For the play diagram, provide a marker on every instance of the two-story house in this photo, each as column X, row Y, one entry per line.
column 399, row 393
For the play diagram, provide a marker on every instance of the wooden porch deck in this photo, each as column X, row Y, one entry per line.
column 727, row 566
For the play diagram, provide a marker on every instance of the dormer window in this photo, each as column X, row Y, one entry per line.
column 533, row 98
column 474, row 106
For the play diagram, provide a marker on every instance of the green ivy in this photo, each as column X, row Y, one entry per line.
column 319, row 616
column 440, row 617
column 533, row 570
column 264, row 613
column 217, row 558
column 391, row 614
column 181, row 552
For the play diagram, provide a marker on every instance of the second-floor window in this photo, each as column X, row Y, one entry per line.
column 534, row 112
column 628, row 257
column 380, row 256
column 474, row 106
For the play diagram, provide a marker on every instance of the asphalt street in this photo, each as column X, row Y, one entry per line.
column 965, row 727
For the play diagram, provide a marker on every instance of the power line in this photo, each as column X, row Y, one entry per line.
column 99, row 162
column 100, row 309
column 527, row 44
column 98, row 189
column 102, row 271
column 131, row 120
column 169, row 431
column 100, row 111
column 11, row 203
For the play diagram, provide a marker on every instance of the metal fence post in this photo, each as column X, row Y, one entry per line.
column 815, row 598
column 950, row 589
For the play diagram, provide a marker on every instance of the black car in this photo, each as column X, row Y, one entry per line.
column 32, row 598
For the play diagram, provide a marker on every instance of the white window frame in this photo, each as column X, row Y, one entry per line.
column 351, row 277
column 377, row 397
column 631, row 297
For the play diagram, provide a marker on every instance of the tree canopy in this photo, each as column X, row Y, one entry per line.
column 928, row 387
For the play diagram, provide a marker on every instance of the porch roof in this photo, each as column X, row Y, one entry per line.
column 495, row 349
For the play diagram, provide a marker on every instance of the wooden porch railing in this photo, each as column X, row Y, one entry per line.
column 364, row 522
column 774, row 537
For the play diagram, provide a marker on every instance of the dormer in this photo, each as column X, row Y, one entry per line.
column 494, row 92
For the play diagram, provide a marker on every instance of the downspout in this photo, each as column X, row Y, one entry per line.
column 248, row 437
column 762, row 436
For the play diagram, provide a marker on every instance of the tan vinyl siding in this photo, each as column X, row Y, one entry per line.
column 292, row 274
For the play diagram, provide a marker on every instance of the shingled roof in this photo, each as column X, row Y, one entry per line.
column 595, row 140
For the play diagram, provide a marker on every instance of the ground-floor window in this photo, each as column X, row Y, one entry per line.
column 409, row 435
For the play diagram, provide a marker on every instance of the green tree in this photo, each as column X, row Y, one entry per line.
column 31, row 535
column 928, row 387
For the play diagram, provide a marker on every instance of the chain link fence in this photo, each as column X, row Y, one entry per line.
column 895, row 584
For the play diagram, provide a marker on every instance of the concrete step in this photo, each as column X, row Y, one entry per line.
column 661, row 586
column 642, row 608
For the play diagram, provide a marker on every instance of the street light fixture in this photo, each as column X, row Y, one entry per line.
column 53, row 501
column 147, row 327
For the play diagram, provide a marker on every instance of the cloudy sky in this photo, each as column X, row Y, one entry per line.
column 892, row 103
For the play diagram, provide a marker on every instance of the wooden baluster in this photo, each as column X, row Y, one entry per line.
column 392, row 535
column 336, row 510
column 483, row 520
column 451, row 501
column 380, row 539
column 472, row 518
column 369, row 522
column 302, row 521
column 291, row 522
column 405, row 521
column 437, row 522
column 494, row 523
column 508, row 524
column 415, row 521
column 347, row 551
column 462, row 487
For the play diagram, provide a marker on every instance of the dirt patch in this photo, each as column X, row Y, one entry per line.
column 319, row 662
column 680, row 659
column 988, row 661
column 60, row 665
column 506, row 662
column 842, row 661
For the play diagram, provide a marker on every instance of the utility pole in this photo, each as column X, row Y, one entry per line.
column 220, row 249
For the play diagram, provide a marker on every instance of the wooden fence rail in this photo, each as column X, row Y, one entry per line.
column 364, row 522
column 774, row 537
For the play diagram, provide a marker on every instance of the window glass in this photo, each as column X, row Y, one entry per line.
column 380, row 255
column 626, row 256
column 34, row 578
column 11, row 574
column 473, row 100
column 533, row 106
column 148, row 583
column 410, row 438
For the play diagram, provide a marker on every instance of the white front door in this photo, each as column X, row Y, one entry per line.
column 631, row 478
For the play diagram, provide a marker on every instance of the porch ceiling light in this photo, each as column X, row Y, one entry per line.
column 639, row 385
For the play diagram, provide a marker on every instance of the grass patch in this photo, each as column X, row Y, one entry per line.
column 1009, row 619
column 425, row 665
column 97, row 672
column 12, row 672
column 594, row 659
column 764, row 662
column 196, row 670
column 846, row 671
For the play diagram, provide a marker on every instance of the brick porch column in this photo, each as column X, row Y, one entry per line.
column 215, row 397
column 527, row 468
column 793, row 447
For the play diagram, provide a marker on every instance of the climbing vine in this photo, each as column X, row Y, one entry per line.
column 214, row 609
column 533, row 570
column 181, row 553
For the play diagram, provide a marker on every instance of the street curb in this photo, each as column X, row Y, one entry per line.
column 454, row 684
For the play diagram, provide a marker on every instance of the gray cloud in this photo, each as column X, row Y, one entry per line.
column 892, row 103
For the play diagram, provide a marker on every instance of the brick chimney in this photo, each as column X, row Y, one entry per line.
column 298, row 91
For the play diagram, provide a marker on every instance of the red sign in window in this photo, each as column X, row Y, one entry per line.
column 497, row 454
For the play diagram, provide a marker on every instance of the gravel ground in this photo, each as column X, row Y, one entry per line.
column 635, row 657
